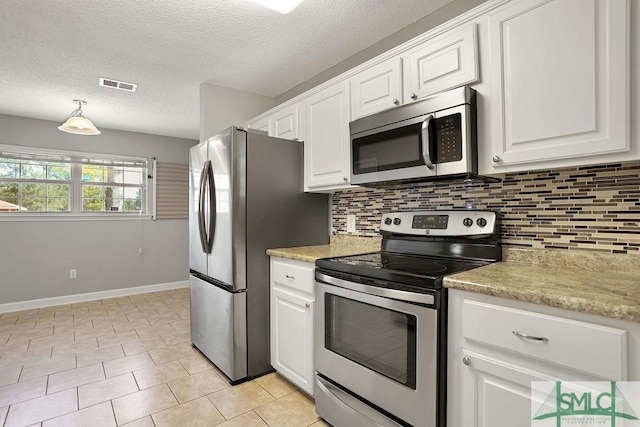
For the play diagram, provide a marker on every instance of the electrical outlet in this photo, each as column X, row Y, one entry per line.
column 73, row 273
column 351, row 223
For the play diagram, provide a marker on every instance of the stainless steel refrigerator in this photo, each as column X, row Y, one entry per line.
column 246, row 195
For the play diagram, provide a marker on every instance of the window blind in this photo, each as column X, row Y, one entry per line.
column 44, row 155
column 172, row 191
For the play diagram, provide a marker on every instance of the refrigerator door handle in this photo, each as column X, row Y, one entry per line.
column 201, row 221
column 212, row 207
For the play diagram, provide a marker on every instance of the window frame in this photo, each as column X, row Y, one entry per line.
column 77, row 159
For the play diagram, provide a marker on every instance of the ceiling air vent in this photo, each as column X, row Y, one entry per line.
column 115, row 84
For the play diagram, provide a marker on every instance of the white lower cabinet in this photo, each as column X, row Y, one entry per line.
column 292, row 302
column 498, row 347
column 496, row 393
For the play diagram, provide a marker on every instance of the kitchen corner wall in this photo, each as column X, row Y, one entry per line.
column 36, row 256
column 221, row 107
column 594, row 208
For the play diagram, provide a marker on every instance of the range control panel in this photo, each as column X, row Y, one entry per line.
column 463, row 222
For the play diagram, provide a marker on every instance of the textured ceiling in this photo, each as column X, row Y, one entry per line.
column 52, row 51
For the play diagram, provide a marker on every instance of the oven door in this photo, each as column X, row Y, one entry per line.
column 382, row 349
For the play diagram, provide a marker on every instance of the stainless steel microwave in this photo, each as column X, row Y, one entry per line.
column 427, row 139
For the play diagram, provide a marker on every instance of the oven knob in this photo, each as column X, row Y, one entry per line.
column 388, row 221
column 468, row 222
column 397, row 221
column 481, row 222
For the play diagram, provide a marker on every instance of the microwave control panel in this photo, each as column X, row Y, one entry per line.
column 448, row 138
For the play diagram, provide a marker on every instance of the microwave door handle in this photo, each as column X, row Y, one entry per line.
column 426, row 155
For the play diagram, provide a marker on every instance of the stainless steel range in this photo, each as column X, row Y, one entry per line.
column 381, row 341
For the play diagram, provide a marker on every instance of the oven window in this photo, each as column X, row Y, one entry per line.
column 380, row 339
column 392, row 149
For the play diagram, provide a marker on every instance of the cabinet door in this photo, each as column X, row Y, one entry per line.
column 292, row 337
column 444, row 62
column 559, row 73
column 496, row 393
column 326, row 146
column 260, row 124
column 286, row 124
column 377, row 88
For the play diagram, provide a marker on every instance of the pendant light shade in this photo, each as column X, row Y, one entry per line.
column 77, row 123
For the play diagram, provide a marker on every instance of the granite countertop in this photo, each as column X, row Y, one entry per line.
column 601, row 284
column 340, row 245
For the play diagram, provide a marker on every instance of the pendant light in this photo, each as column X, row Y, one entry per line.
column 78, row 123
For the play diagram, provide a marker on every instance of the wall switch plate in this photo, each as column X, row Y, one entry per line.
column 351, row 223
column 73, row 274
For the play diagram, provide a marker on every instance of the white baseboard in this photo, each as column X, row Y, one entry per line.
column 91, row 296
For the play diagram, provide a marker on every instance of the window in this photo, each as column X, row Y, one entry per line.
column 46, row 181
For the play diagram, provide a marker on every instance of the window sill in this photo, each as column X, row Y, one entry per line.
column 20, row 217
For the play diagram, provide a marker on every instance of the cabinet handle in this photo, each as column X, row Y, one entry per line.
column 395, row 101
column 530, row 337
column 496, row 159
column 345, row 179
column 290, row 277
column 414, row 96
column 466, row 361
column 307, row 305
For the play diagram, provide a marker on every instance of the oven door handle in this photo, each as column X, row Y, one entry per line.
column 413, row 297
column 347, row 403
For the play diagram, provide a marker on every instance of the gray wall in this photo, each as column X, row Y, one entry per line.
column 440, row 16
column 35, row 256
column 221, row 107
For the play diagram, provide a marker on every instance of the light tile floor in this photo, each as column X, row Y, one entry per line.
column 128, row 361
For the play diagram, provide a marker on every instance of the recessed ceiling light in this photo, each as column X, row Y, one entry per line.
column 282, row 6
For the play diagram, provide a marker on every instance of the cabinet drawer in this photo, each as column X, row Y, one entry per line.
column 293, row 274
column 594, row 349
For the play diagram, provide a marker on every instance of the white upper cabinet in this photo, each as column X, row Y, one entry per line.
column 376, row 89
column 558, row 74
column 326, row 147
column 443, row 62
column 285, row 123
column 263, row 123
column 282, row 123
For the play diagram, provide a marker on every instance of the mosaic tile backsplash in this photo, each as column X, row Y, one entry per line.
column 592, row 207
